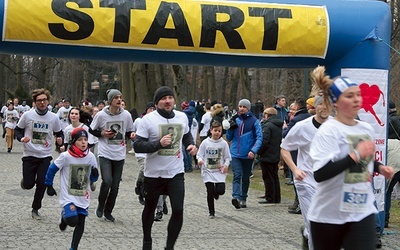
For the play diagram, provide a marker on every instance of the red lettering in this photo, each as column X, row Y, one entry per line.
column 378, row 156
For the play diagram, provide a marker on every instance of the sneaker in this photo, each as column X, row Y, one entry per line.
column 22, row 184
column 132, row 151
column 141, row 199
column 235, row 203
column 243, row 204
column 295, row 205
column 62, row 224
column 158, row 216
column 109, row 217
column 99, row 211
column 138, row 188
column 36, row 215
column 295, row 211
column 165, row 208
column 211, row 216
column 93, row 187
column 378, row 243
column 304, row 243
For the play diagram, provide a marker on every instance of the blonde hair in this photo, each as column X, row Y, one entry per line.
column 321, row 84
column 270, row 111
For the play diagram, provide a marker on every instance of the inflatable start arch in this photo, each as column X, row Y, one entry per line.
column 345, row 36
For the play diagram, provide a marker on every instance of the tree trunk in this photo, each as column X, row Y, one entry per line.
column 245, row 83
column 85, row 80
column 234, row 89
column 139, row 85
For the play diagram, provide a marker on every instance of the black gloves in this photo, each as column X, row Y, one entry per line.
column 51, row 191
column 232, row 122
column 95, row 172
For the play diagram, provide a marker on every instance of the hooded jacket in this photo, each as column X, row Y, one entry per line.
column 246, row 137
column 270, row 150
column 218, row 115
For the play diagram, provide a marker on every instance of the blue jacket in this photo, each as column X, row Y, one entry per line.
column 246, row 137
column 283, row 113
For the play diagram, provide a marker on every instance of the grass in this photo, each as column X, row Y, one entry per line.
column 288, row 193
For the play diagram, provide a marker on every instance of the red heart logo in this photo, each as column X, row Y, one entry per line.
column 370, row 96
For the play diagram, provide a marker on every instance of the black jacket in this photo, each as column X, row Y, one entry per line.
column 394, row 126
column 300, row 115
column 270, row 150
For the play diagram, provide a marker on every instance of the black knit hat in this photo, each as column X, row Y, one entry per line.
column 161, row 92
column 392, row 105
column 150, row 105
column 76, row 133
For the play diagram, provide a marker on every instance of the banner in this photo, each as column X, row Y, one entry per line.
column 374, row 90
column 219, row 27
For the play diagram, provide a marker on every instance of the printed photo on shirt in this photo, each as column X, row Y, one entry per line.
column 39, row 132
column 117, row 128
column 11, row 118
column 358, row 172
column 78, row 179
column 213, row 156
column 176, row 131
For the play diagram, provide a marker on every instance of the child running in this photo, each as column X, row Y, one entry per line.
column 214, row 158
column 78, row 168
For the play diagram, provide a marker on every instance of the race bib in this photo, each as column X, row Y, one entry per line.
column 353, row 199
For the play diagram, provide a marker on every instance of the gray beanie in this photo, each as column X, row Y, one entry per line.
column 246, row 103
column 318, row 100
column 111, row 93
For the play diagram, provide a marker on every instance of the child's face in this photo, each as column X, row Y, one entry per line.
column 82, row 143
column 216, row 132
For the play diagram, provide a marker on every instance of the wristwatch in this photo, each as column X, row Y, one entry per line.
column 357, row 155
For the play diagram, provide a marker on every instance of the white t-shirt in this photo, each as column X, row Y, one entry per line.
column 68, row 130
column 23, row 109
column 205, row 119
column 113, row 148
column 11, row 117
column 299, row 138
column 334, row 141
column 166, row 162
column 135, row 127
column 17, row 108
column 3, row 109
column 62, row 114
column 194, row 130
column 75, row 182
column 40, row 129
column 213, row 153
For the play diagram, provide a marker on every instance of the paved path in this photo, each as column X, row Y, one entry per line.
column 257, row 227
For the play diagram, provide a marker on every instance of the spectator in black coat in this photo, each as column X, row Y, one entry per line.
column 394, row 122
column 269, row 155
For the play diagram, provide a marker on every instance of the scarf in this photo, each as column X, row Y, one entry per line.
column 76, row 152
